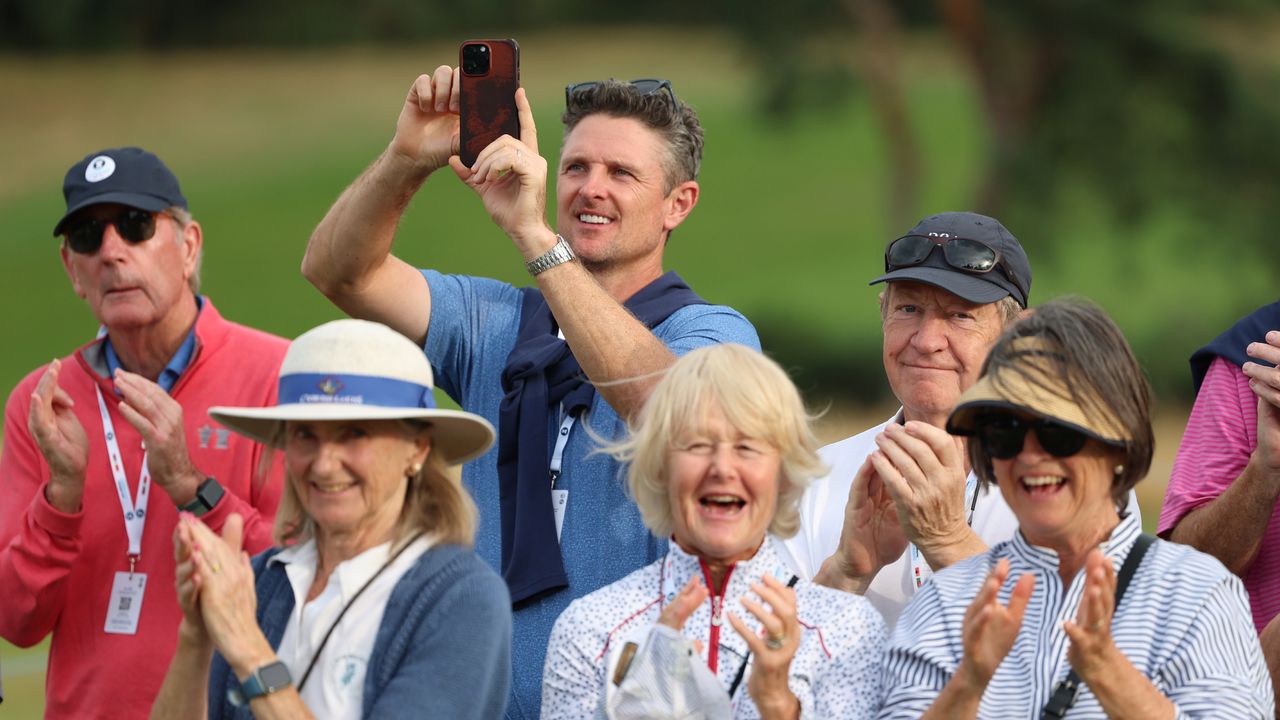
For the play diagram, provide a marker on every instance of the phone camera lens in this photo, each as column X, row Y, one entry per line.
column 475, row 59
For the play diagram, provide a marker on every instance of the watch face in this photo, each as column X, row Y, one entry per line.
column 275, row 676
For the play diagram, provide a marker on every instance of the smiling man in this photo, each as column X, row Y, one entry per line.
column 584, row 347
column 899, row 501
column 86, row 549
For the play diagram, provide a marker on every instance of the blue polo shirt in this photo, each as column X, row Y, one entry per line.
column 177, row 364
column 474, row 323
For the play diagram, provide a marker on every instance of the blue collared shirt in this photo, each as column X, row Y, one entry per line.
column 177, row 364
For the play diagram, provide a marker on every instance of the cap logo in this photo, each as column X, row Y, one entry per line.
column 99, row 169
column 939, row 234
column 330, row 386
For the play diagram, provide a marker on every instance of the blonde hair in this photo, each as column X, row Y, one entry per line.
column 756, row 397
column 434, row 503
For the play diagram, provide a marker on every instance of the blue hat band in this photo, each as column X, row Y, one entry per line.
column 337, row 389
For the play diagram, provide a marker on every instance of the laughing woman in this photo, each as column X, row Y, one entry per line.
column 1101, row 621
column 719, row 456
column 374, row 606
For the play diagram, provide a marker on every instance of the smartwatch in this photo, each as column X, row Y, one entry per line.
column 265, row 680
column 207, row 496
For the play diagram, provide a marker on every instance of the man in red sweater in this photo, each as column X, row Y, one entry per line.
column 104, row 447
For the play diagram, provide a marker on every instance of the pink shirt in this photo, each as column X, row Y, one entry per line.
column 1221, row 434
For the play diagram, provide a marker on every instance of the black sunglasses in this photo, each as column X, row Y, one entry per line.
column 1002, row 436
column 84, row 236
column 963, row 254
column 646, row 86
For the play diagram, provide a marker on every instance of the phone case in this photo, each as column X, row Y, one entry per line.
column 488, row 101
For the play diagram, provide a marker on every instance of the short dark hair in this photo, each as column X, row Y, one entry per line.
column 1090, row 356
column 662, row 112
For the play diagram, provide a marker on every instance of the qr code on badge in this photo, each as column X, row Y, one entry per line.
column 125, row 604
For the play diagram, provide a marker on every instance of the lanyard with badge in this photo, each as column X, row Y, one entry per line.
column 125, row 605
column 560, row 497
column 917, row 560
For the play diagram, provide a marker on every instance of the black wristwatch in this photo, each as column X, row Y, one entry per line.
column 207, row 496
column 264, row 681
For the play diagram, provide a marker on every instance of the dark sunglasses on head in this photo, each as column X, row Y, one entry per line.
column 646, row 86
column 1002, row 436
column 84, row 236
column 963, row 254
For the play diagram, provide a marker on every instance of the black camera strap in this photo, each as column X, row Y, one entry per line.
column 1065, row 692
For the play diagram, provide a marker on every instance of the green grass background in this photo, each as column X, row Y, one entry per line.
column 790, row 227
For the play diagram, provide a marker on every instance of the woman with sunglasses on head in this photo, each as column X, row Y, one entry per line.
column 1079, row 615
column 375, row 606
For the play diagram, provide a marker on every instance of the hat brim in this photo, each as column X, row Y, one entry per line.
column 457, row 435
column 1017, row 394
column 137, row 200
column 973, row 288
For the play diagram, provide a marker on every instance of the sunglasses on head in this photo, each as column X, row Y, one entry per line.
column 84, row 236
column 646, row 86
column 963, row 254
column 1002, row 436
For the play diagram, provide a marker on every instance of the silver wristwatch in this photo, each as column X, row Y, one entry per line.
column 559, row 253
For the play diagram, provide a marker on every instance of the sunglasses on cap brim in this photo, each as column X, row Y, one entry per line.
column 84, row 235
column 1002, row 435
column 964, row 254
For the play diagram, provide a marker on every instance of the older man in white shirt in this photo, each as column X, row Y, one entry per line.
column 900, row 501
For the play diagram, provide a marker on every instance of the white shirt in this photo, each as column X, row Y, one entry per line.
column 822, row 517
column 336, row 686
column 835, row 672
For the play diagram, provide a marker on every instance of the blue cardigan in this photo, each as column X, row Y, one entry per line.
column 443, row 649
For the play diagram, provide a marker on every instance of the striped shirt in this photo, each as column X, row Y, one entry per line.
column 1221, row 434
column 1184, row 623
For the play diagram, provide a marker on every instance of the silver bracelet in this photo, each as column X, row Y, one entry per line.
column 558, row 254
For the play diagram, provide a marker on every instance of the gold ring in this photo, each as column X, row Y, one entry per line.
column 215, row 567
column 775, row 642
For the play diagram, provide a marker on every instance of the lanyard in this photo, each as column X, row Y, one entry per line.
column 917, row 561
column 557, row 455
column 134, row 509
column 664, row 592
column 316, row 655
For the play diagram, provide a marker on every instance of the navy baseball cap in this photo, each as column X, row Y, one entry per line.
column 1011, row 274
column 128, row 176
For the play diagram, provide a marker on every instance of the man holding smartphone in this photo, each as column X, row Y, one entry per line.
column 583, row 347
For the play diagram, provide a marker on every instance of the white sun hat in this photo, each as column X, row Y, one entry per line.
column 359, row 370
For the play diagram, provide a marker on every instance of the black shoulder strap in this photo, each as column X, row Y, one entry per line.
column 1065, row 692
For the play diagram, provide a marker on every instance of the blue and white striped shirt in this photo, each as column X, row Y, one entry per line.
column 1184, row 623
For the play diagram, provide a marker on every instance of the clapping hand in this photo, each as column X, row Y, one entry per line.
column 991, row 628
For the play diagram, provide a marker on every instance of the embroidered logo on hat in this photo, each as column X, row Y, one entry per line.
column 99, row 169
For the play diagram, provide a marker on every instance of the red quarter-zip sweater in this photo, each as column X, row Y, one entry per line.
column 56, row 569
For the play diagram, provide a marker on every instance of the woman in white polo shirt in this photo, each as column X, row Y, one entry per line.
column 375, row 606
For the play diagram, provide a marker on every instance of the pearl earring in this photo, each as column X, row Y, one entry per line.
column 1119, row 469
column 414, row 469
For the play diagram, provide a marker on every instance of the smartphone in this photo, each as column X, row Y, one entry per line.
column 487, row 94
